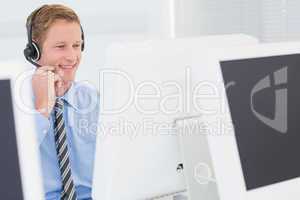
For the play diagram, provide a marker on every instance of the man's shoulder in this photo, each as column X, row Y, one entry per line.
column 85, row 94
column 84, row 87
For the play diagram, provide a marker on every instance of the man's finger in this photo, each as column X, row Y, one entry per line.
column 57, row 78
column 45, row 69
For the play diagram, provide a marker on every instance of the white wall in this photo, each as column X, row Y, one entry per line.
column 98, row 16
column 281, row 20
column 108, row 21
column 269, row 20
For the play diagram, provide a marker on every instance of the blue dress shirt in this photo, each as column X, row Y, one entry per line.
column 81, row 109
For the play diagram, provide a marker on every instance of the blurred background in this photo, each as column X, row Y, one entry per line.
column 114, row 21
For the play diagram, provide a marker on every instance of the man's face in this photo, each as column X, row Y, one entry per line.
column 62, row 48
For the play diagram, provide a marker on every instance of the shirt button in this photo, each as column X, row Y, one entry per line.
column 45, row 131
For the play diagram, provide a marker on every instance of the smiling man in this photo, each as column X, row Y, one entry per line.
column 65, row 109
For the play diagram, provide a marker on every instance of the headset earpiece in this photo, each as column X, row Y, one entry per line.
column 36, row 53
column 32, row 51
column 82, row 38
column 32, row 54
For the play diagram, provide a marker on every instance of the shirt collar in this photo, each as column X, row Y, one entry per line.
column 70, row 97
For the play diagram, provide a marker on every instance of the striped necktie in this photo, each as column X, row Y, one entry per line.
column 68, row 190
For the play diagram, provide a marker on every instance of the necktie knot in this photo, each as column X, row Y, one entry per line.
column 59, row 104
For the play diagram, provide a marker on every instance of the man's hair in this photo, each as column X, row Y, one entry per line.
column 42, row 18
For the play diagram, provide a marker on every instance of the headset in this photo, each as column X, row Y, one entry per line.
column 32, row 51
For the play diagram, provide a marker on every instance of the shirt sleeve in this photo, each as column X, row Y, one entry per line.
column 42, row 125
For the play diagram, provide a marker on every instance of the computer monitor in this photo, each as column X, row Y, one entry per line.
column 251, row 135
column 143, row 86
column 11, row 187
column 20, row 169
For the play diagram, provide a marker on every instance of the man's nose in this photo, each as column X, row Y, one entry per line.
column 71, row 54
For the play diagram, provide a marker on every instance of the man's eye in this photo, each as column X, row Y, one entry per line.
column 60, row 46
column 76, row 45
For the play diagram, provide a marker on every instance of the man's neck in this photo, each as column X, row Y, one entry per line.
column 61, row 91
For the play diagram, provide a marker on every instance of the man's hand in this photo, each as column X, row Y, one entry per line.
column 43, row 84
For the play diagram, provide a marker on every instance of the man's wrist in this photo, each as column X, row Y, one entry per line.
column 44, row 109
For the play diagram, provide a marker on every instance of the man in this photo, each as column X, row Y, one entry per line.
column 66, row 109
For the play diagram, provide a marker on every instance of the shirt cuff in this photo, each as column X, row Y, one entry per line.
column 43, row 125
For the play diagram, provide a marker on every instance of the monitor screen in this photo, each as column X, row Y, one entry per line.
column 263, row 98
column 10, row 183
